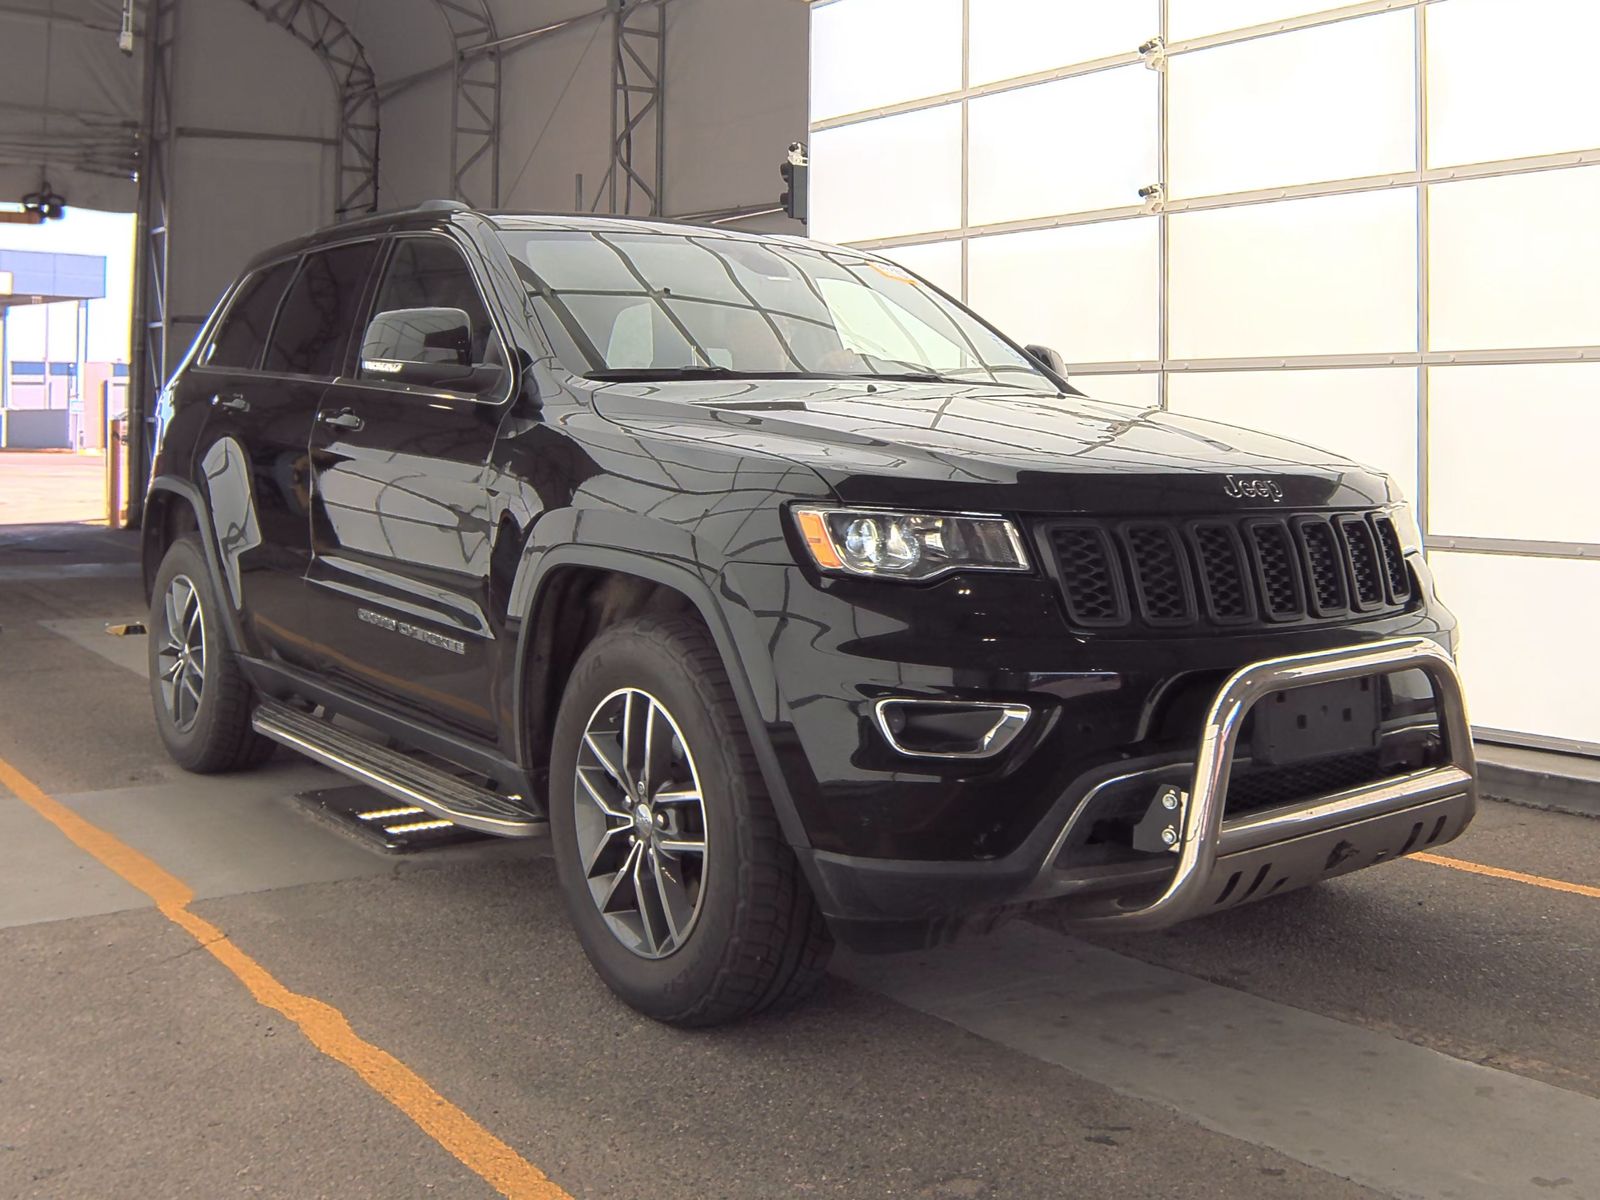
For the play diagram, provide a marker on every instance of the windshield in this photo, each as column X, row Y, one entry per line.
column 639, row 305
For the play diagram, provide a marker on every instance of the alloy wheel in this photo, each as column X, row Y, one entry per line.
column 182, row 655
column 641, row 823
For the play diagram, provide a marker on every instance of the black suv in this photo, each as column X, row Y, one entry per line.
column 790, row 598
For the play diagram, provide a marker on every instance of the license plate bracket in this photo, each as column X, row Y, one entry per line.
column 1319, row 721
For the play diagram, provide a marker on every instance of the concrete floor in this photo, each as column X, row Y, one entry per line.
column 1416, row 1030
column 38, row 486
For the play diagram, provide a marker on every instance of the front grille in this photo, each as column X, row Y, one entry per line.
column 1394, row 561
column 1361, row 548
column 1159, row 579
column 1324, row 566
column 1276, row 570
column 1229, row 572
column 1090, row 579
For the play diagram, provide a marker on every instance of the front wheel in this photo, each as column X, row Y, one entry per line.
column 684, row 894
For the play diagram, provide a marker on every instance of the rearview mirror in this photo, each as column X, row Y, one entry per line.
column 431, row 347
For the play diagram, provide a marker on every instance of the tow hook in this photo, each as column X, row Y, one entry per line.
column 1162, row 824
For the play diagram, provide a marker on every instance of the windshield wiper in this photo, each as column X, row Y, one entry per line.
column 907, row 377
column 916, row 372
column 712, row 371
column 708, row 371
column 928, row 377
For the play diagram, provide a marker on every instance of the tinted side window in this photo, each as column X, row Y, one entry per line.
column 315, row 324
column 243, row 331
column 429, row 272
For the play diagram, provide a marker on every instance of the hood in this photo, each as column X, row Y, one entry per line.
column 978, row 448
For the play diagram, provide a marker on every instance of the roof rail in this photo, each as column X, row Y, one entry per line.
column 442, row 206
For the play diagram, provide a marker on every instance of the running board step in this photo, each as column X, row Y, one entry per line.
column 394, row 773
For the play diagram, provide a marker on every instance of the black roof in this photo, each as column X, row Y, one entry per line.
column 436, row 214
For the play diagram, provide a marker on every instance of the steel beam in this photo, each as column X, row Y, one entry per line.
column 152, row 323
column 501, row 46
column 474, row 102
column 1516, row 547
column 1339, row 187
column 634, row 182
column 724, row 216
column 1325, row 362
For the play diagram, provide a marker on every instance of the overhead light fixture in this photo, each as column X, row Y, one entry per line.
column 46, row 204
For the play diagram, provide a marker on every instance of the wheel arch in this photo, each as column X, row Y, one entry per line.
column 593, row 588
column 173, row 508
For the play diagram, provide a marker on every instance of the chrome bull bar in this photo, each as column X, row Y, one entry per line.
column 1208, row 838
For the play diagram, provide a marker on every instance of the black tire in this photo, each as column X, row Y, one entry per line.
column 758, row 941
column 211, row 733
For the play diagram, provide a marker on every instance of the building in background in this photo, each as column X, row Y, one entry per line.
column 52, row 397
column 1368, row 230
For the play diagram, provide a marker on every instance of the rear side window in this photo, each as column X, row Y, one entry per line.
column 315, row 324
column 243, row 332
column 429, row 272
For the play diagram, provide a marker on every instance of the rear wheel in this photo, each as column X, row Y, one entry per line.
column 202, row 701
column 684, row 894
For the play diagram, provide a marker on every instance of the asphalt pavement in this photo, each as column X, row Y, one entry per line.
column 1415, row 1030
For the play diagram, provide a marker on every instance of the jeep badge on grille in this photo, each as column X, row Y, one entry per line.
column 1253, row 489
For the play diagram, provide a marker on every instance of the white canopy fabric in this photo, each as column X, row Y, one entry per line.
column 69, row 102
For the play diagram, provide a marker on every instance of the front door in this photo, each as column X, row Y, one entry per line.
column 402, row 521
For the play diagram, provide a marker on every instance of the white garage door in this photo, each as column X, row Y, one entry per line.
column 1374, row 229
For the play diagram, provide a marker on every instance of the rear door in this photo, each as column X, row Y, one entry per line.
column 254, row 435
column 256, row 447
column 402, row 523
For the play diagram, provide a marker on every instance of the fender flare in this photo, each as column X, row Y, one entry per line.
column 192, row 496
column 699, row 594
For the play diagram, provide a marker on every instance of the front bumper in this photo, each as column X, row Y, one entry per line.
column 1220, row 861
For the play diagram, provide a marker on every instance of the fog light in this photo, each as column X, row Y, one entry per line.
column 950, row 728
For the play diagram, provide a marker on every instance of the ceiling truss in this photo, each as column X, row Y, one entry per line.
column 311, row 24
column 634, row 180
column 474, row 103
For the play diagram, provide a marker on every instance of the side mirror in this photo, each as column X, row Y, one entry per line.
column 1049, row 359
column 431, row 347
column 1054, row 365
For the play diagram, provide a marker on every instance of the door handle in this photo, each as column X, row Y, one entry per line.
column 343, row 419
column 234, row 402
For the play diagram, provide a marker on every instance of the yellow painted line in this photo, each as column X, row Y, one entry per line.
column 1539, row 881
column 323, row 1025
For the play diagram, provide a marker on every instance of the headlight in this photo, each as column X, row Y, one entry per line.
column 901, row 545
column 1405, row 525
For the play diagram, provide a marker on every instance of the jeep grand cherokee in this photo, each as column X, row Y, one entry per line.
column 790, row 598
